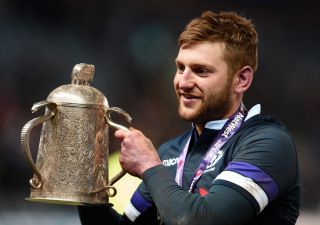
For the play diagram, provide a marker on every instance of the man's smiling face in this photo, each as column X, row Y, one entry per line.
column 202, row 84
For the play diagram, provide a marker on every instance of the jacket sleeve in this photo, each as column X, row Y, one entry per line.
column 222, row 205
column 139, row 211
column 255, row 176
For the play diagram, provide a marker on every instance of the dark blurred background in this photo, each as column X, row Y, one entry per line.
column 133, row 46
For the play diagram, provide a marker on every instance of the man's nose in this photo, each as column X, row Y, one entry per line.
column 186, row 79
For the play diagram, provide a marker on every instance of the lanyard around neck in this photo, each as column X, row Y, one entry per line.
column 229, row 129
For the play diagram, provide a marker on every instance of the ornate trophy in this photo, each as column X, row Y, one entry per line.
column 72, row 160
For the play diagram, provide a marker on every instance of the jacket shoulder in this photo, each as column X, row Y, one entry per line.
column 174, row 144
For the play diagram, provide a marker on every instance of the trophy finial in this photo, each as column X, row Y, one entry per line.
column 82, row 74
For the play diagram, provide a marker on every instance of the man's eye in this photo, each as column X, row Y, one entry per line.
column 200, row 71
column 180, row 68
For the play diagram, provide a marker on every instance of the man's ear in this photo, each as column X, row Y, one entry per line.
column 243, row 79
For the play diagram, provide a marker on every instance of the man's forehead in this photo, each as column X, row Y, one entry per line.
column 199, row 52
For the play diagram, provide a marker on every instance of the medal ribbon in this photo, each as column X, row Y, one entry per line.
column 229, row 129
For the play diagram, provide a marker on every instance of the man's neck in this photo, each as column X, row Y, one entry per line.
column 200, row 126
column 218, row 124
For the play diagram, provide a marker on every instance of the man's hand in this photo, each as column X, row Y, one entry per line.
column 137, row 152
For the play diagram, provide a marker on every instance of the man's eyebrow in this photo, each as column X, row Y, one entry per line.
column 177, row 61
column 202, row 65
column 196, row 65
column 199, row 65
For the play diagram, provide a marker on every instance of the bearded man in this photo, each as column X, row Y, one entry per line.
column 234, row 166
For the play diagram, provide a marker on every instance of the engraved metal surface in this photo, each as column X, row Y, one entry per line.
column 72, row 160
column 72, row 157
column 78, row 95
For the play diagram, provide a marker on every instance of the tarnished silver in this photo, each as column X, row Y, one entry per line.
column 72, row 160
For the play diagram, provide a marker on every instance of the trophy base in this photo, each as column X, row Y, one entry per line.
column 60, row 201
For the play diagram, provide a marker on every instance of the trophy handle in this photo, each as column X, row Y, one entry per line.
column 113, row 124
column 25, row 133
column 116, row 126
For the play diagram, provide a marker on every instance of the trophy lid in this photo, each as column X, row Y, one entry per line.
column 79, row 93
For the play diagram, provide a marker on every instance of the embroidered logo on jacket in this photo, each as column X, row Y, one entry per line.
column 170, row 162
column 214, row 161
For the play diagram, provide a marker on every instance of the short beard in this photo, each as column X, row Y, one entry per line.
column 214, row 107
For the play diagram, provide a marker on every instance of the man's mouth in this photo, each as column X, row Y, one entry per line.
column 188, row 99
column 189, row 95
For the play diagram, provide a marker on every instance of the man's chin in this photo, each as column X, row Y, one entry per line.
column 187, row 119
column 188, row 116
